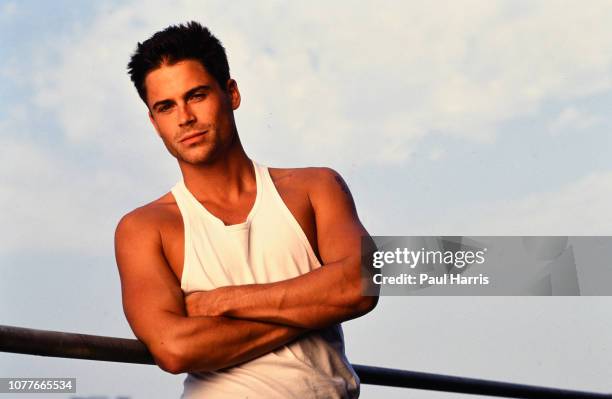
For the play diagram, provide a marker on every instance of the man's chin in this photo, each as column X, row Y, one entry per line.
column 196, row 159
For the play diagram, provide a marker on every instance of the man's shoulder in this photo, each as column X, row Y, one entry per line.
column 150, row 216
column 309, row 178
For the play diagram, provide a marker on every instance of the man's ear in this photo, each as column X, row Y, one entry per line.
column 154, row 123
column 234, row 93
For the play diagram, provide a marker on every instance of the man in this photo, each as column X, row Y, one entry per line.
column 241, row 274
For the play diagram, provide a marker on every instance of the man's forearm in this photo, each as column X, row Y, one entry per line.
column 212, row 343
column 328, row 295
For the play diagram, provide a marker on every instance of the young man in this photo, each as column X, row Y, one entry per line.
column 241, row 274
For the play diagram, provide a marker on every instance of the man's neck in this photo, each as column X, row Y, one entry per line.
column 225, row 180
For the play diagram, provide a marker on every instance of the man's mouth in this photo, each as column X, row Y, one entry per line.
column 192, row 136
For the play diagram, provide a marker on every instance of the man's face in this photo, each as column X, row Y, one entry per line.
column 190, row 111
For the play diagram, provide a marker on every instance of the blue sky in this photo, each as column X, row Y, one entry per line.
column 467, row 118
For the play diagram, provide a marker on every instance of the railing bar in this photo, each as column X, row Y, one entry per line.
column 94, row 347
column 440, row 382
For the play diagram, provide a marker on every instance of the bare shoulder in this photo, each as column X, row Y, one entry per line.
column 146, row 220
column 309, row 178
column 325, row 189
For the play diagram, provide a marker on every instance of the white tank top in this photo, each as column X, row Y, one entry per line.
column 314, row 366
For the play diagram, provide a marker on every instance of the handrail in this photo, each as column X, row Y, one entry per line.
column 94, row 347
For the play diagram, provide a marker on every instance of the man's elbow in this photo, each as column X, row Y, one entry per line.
column 171, row 356
column 179, row 359
column 366, row 296
column 363, row 301
column 172, row 366
column 168, row 356
column 366, row 304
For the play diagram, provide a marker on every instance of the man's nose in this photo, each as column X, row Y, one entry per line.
column 185, row 115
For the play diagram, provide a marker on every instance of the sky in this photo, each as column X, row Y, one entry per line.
column 468, row 117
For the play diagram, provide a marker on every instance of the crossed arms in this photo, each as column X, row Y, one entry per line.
column 210, row 330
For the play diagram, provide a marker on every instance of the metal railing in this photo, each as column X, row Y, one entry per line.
column 123, row 350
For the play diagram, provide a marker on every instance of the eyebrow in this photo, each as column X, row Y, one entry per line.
column 188, row 94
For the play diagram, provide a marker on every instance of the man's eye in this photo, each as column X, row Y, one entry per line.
column 199, row 96
column 163, row 108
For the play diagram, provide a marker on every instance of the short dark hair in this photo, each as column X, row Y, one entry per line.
column 177, row 43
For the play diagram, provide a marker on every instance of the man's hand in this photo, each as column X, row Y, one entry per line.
column 204, row 303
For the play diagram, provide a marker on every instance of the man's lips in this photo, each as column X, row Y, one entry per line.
column 192, row 135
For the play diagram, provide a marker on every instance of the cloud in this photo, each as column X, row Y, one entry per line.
column 572, row 119
column 50, row 204
column 581, row 207
column 436, row 154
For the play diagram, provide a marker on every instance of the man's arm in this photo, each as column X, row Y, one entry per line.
column 328, row 295
column 154, row 306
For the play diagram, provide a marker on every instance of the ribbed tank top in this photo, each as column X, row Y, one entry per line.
column 268, row 246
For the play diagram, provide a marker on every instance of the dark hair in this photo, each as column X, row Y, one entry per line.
column 177, row 43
